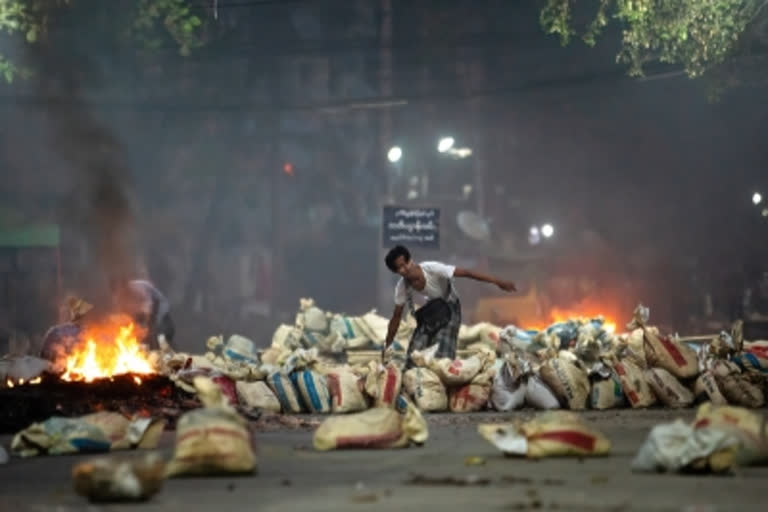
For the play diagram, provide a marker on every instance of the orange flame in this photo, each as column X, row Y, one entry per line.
column 586, row 309
column 114, row 354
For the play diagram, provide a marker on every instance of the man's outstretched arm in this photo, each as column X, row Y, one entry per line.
column 507, row 286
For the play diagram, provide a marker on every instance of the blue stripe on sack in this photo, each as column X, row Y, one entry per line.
column 295, row 381
column 350, row 332
column 752, row 358
column 309, row 385
column 83, row 444
column 238, row 357
column 280, row 391
column 310, row 337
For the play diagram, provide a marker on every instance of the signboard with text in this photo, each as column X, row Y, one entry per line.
column 410, row 226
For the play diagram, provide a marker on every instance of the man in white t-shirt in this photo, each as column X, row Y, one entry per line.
column 433, row 280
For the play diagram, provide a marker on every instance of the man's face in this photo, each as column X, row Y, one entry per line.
column 404, row 267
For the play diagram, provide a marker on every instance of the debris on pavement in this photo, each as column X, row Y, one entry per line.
column 97, row 432
column 462, row 481
column 112, row 479
column 719, row 438
column 550, row 434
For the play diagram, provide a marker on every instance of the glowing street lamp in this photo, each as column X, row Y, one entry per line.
column 547, row 230
column 395, row 154
column 445, row 144
column 757, row 198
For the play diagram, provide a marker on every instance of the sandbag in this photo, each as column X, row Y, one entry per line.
column 457, row 372
column 750, row 427
column 111, row 479
column 483, row 333
column 551, row 434
column 668, row 389
column 426, row 389
column 212, row 440
column 474, row 396
column 508, row 388
column 538, row 395
column 379, row 427
column 314, row 391
column 383, row 384
column 286, row 337
column 754, row 359
column 257, row 395
column 98, row 432
column 736, row 387
column 569, row 382
column 346, row 389
column 607, row 392
column 286, row 392
column 664, row 352
column 633, row 382
column 706, row 389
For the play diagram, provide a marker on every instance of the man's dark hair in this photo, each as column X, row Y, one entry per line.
column 394, row 253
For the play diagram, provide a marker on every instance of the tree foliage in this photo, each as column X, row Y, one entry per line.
column 701, row 36
column 149, row 22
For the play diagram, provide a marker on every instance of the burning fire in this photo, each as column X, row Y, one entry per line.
column 105, row 354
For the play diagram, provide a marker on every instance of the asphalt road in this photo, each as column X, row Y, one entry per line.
column 292, row 477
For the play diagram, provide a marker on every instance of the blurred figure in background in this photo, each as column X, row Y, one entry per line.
column 147, row 306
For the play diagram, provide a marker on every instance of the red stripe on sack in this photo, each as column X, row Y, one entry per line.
column 730, row 419
column 455, row 367
column 704, row 422
column 214, row 430
column 460, row 397
column 761, row 352
column 620, row 370
column 334, row 386
column 572, row 437
column 673, row 351
column 369, row 441
column 632, row 395
column 389, row 386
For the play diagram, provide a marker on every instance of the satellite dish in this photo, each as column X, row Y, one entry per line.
column 473, row 225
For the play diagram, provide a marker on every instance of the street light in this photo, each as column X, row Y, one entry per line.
column 757, row 198
column 547, row 230
column 395, row 154
column 445, row 144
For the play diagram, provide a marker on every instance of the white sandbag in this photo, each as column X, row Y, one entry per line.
column 286, row 337
column 257, row 395
column 670, row 354
column 736, row 387
column 508, row 389
column 483, row 333
column 22, row 369
column 286, row 392
column 668, row 389
column 461, row 371
column 706, row 389
column 314, row 391
column 538, row 395
column 346, row 389
column 426, row 389
column 606, row 392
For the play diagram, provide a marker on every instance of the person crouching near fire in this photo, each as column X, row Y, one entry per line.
column 60, row 338
column 439, row 319
column 147, row 307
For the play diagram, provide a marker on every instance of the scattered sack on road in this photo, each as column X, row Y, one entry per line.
column 718, row 439
column 112, row 479
column 346, row 389
column 668, row 389
column 257, row 395
column 97, row 432
column 212, row 440
column 551, row 434
column 426, row 389
column 569, row 382
column 383, row 384
column 633, row 382
column 380, row 427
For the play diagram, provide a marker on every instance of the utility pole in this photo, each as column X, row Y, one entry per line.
column 385, row 138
